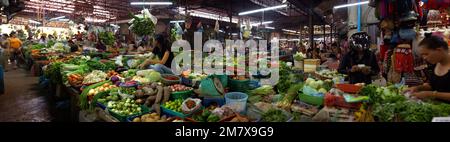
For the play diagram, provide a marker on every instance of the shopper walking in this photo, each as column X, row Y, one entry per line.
column 14, row 45
column 5, row 54
column 435, row 51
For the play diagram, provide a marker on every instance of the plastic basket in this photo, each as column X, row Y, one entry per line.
column 207, row 101
column 181, row 95
column 171, row 113
column 339, row 101
column 223, row 79
column 239, row 85
column 237, row 101
column 349, row 88
column 170, row 82
column 122, row 118
column 190, row 82
column 309, row 99
column 207, row 88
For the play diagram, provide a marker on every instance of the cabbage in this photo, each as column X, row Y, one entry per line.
column 308, row 81
column 154, row 76
column 319, row 83
column 323, row 90
column 314, row 84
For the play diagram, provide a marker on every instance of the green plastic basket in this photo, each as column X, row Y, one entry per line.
column 313, row 100
column 207, row 87
column 171, row 113
column 181, row 95
column 239, row 85
column 223, row 79
column 123, row 118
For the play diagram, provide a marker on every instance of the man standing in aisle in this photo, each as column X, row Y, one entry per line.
column 14, row 45
column 189, row 32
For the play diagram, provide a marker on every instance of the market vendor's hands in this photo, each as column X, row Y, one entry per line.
column 365, row 70
column 423, row 94
column 355, row 68
column 144, row 64
column 411, row 90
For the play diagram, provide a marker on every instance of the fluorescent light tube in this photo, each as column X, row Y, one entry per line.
column 263, row 9
column 351, row 4
column 179, row 21
column 151, row 3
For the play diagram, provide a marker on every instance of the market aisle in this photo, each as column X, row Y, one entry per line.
column 22, row 101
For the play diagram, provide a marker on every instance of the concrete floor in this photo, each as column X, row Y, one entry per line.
column 23, row 101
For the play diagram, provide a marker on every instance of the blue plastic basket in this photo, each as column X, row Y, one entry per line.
column 220, row 100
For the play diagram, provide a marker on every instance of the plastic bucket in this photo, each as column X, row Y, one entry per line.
column 237, row 101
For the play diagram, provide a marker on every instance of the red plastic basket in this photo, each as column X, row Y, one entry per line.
column 349, row 88
column 339, row 101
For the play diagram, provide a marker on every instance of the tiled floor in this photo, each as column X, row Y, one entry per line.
column 23, row 101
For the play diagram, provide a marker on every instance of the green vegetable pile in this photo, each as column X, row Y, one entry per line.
column 97, row 65
column 258, row 94
column 274, row 115
column 174, row 105
column 126, row 107
column 107, row 38
column 38, row 46
column 129, row 73
column 53, row 72
column 128, row 90
column 84, row 102
column 50, row 43
column 389, row 105
column 206, row 116
column 142, row 26
column 286, row 78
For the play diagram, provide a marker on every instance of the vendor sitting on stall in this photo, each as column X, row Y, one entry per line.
column 73, row 47
column 360, row 63
column 434, row 50
column 332, row 62
column 161, row 50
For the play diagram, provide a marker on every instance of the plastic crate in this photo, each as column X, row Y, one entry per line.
column 122, row 118
column 181, row 95
column 313, row 100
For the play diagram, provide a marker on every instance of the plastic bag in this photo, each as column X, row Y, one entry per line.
column 119, row 61
column 187, row 110
column 309, row 91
